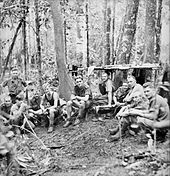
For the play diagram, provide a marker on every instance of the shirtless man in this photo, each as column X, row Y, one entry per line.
column 50, row 103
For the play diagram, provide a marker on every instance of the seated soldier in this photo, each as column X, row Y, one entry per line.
column 17, row 111
column 80, row 99
column 106, row 90
column 49, row 104
column 138, row 103
column 105, row 98
column 15, row 84
column 158, row 110
column 5, row 108
column 134, row 87
column 120, row 94
column 93, row 82
column 34, row 106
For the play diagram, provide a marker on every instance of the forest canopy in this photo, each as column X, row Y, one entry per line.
column 94, row 33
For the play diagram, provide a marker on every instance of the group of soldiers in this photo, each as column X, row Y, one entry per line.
column 134, row 104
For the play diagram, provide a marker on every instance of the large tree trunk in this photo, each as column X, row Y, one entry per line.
column 125, row 45
column 112, row 49
column 87, row 30
column 24, row 38
column 65, row 29
column 38, row 44
column 0, row 57
column 108, row 27
column 158, row 31
column 104, row 33
column 149, row 55
column 81, row 47
column 65, row 82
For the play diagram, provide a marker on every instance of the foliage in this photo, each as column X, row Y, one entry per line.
column 74, row 15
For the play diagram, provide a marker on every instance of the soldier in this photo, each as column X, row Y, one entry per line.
column 35, row 110
column 50, row 104
column 15, row 84
column 139, row 102
column 134, row 87
column 158, row 107
column 5, row 108
column 106, row 89
column 120, row 94
column 157, row 113
column 81, row 99
column 17, row 111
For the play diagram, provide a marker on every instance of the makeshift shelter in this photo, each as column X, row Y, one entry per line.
column 142, row 73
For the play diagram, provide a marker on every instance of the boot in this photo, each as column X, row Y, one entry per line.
column 77, row 121
column 117, row 136
column 50, row 129
column 67, row 124
column 114, row 130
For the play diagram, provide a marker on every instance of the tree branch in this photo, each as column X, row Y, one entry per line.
column 11, row 48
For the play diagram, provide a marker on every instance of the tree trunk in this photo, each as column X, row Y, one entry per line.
column 112, row 49
column 108, row 26
column 65, row 32
column 119, row 38
column 0, row 56
column 158, row 31
column 87, row 30
column 81, row 47
column 149, row 55
column 65, row 82
column 105, row 34
column 38, row 44
column 24, row 38
column 125, row 45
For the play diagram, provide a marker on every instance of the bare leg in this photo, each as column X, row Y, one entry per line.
column 81, row 110
column 69, row 109
column 51, row 120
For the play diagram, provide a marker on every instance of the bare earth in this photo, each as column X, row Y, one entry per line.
column 83, row 151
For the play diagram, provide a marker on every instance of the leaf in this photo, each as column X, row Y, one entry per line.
column 21, row 163
column 134, row 165
column 45, row 161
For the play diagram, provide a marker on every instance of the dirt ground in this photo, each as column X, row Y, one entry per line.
column 83, row 151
